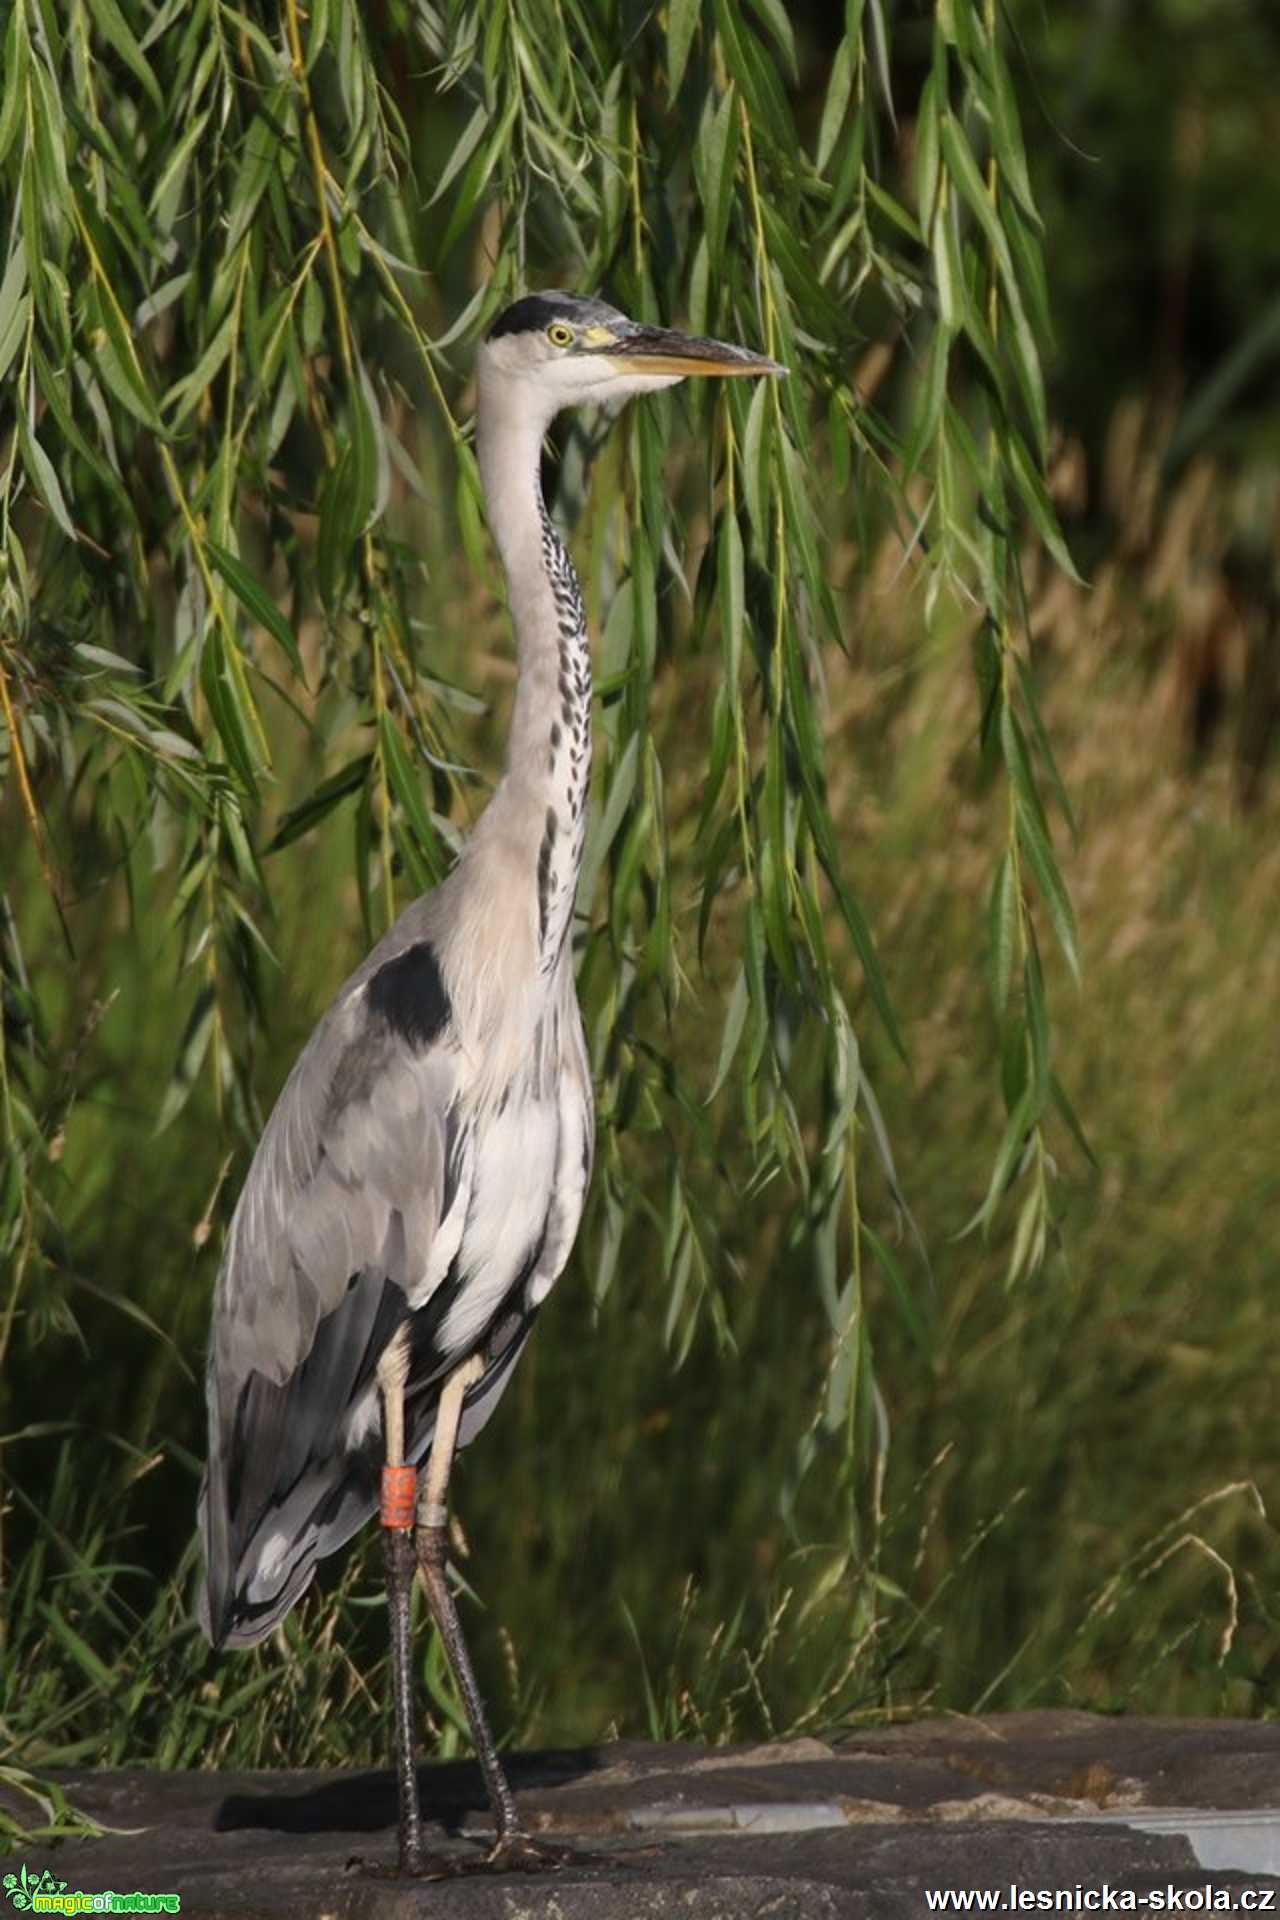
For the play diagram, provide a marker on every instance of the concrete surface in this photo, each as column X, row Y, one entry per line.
column 1248, row 1841
column 864, row 1825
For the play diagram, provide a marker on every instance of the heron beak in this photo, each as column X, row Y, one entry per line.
column 659, row 350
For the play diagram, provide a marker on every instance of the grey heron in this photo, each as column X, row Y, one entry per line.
column 418, row 1186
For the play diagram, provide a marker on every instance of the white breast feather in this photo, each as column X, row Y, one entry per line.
column 514, row 1169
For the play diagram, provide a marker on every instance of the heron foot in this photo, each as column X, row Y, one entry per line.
column 515, row 1852
column 410, row 1866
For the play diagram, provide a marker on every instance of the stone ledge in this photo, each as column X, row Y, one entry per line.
column 863, row 1825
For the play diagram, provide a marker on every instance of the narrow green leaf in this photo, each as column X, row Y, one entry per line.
column 1043, row 744
column 927, row 163
column 604, row 829
column 318, row 805
column 798, row 270
column 161, row 300
column 256, row 602
column 880, row 56
column 1026, row 360
column 192, row 1049
column 1038, row 1038
column 735, row 1020
column 715, row 157
column 627, row 869
column 103, row 657
column 261, row 147
column 700, row 286
column 421, row 875
column 1013, row 1057
column 1030, row 1229
column 13, row 327
column 1028, row 254
column 372, row 475
column 463, row 148
column 115, row 363
column 405, row 783
column 136, row 720
column 1002, row 930
column 775, row 18
column 907, row 1304
column 928, row 400
column 273, row 60
column 757, row 77
column 1007, row 133
column 682, row 23
column 1017, row 760
column 729, row 570
column 319, row 25
column 466, row 496
column 16, row 55
column 947, row 271
column 1068, row 1112
column 188, row 392
column 964, row 171
column 645, row 587
column 100, row 1677
column 614, row 133
column 1030, row 485
column 1039, row 853
column 340, row 523
column 166, row 199
column 43, row 477
column 235, row 728
column 616, row 639
column 836, row 105
column 723, row 710
column 1012, row 1146
column 117, row 32
column 755, row 459
column 824, row 841
column 54, row 391
column 894, row 211
column 475, row 176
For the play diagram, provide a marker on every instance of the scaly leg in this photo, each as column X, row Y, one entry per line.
column 512, row 1848
column 398, row 1484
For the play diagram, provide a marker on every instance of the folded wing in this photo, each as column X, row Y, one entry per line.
column 347, row 1211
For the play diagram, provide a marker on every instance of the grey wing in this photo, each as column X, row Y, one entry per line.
column 348, row 1208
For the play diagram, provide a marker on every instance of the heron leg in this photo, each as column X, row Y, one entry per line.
column 398, row 1553
column 512, row 1848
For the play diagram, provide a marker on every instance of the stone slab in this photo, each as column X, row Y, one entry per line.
column 866, row 1824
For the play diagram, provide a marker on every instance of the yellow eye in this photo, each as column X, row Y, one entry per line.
column 560, row 334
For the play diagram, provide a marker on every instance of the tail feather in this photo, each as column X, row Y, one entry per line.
column 285, row 1488
column 245, row 1598
column 293, row 1465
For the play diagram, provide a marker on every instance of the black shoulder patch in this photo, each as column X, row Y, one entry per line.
column 409, row 994
column 532, row 314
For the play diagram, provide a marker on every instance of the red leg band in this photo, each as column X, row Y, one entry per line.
column 399, row 1496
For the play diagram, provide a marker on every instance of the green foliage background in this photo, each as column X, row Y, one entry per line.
column 766, row 1464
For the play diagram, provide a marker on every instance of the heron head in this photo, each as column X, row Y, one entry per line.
column 569, row 350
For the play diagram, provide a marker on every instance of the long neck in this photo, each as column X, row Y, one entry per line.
column 540, row 806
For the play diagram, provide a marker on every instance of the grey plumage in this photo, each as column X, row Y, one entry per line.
column 379, row 1179
column 418, row 1187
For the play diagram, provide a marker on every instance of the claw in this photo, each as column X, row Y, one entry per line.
column 515, row 1852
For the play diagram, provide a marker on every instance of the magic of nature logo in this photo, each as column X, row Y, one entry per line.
column 41, row 1893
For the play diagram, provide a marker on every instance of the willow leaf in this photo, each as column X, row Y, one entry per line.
column 257, row 603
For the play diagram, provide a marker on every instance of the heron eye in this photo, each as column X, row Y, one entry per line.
column 560, row 334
